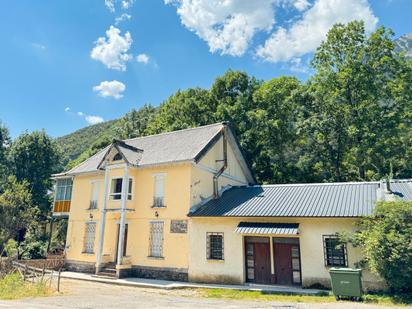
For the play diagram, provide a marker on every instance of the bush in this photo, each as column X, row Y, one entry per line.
column 12, row 286
column 386, row 241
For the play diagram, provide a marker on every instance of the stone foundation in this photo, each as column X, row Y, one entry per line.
column 217, row 279
column 165, row 273
column 81, row 267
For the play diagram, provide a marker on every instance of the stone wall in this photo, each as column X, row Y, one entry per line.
column 81, row 267
column 164, row 273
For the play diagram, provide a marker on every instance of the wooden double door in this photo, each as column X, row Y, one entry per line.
column 286, row 260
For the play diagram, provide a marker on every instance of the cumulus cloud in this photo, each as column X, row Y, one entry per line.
column 301, row 5
column 110, row 5
column 93, row 119
column 67, row 109
column 113, row 89
column 127, row 4
column 305, row 35
column 143, row 58
column 112, row 51
column 122, row 18
column 227, row 26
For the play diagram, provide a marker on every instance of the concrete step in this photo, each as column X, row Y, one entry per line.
column 109, row 270
column 104, row 274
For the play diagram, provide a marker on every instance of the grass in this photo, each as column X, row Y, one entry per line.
column 379, row 299
column 13, row 287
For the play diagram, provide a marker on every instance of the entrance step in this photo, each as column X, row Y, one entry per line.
column 105, row 276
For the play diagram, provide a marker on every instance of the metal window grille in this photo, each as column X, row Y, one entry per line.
column 158, row 201
column 214, row 246
column 156, row 239
column 335, row 252
column 89, row 235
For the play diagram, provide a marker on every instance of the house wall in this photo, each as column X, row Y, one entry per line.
column 232, row 269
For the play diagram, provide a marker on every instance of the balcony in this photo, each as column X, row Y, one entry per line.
column 62, row 198
column 61, row 208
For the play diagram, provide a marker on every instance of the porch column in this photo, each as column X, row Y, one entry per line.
column 102, row 222
column 125, row 191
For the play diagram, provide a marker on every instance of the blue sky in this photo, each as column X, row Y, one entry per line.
column 56, row 75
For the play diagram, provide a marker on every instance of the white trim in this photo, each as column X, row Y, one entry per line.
column 213, row 171
column 112, row 194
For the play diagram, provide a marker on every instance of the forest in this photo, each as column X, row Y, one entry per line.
column 350, row 121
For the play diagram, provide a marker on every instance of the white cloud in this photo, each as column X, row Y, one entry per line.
column 122, row 18
column 110, row 89
column 81, row 114
column 301, row 5
column 94, row 119
column 39, row 46
column 227, row 26
column 305, row 35
column 112, row 51
column 143, row 58
column 67, row 109
column 127, row 4
column 296, row 65
column 110, row 5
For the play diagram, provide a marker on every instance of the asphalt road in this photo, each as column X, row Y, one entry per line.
column 82, row 294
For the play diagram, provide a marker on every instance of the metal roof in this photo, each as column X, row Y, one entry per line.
column 267, row 228
column 302, row 200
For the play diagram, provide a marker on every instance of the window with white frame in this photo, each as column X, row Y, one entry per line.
column 94, row 194
column 156, row 239
column 214, row 246
column 159, row 190
column 116, row 189
column 89, row 235
column 335, row 251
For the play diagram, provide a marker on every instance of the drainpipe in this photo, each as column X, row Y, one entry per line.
column 223, row 168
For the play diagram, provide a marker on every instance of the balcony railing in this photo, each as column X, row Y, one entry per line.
column 93, row 205
column 158, row 202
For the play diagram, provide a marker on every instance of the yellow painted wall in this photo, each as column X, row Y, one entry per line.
column 232, row 269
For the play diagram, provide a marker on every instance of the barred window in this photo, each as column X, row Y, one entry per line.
column 156, row 239
column 334, row 251
column 89, row 235
column 214, row 246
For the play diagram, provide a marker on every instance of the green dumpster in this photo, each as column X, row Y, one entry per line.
column 346, row 282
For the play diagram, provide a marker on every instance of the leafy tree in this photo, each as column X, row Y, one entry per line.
column 35, row 157
column 185, row 109
column 17, row 212
column 135, row 123
column 359, row 95
column 386, row 241
column 4, row 147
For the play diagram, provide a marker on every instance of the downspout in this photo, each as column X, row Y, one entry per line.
column 223, row 168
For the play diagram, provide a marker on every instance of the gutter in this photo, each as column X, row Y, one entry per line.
column 223, row 168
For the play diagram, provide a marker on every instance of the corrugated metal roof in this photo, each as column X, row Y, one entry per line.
column 176, row 146
column 267, row 228
column 301, row 200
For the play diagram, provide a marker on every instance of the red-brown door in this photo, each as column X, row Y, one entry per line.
column 262, row 263
column 283, row 264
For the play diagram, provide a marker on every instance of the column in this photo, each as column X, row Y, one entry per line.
column 125, row 190
column 102, row 222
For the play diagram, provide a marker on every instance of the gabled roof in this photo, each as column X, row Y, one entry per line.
column 168, row 148
column 303, row 200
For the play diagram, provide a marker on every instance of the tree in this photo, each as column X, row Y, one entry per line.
column 360, row 95
column 4, row 147
column 17, row 212
column 386, row 241
column 35, row 157
column 135, row 123
column 276, row 118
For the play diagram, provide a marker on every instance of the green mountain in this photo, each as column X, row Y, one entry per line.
column 404, row 44
column 76, row 143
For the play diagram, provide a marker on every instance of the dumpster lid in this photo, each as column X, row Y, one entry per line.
column 345, row 270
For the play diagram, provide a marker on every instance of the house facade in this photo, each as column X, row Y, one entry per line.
column 184, row 206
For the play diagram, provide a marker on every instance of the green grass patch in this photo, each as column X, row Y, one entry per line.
column 13, row 287
column 325, row 297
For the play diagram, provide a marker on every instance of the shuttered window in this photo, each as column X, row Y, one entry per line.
column 335, row 252
column 94, row 195
column 89, row 236
column 214, row 246
column 159, row 190
column 156, row 239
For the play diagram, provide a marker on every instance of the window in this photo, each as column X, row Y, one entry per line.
column 64, row 189
column 159, row 188
column 89, row 234
column 335, row 252
column 156, row 239
column 94, row 195
column 214, row 244
column 116, row 189
column 117, row 157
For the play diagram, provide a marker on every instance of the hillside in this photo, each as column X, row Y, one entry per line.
column 404, row 44
column 75, row 143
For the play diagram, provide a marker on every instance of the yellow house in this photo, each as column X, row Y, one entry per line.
column 184, row 206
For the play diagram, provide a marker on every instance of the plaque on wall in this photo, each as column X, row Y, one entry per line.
column 178, row 226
